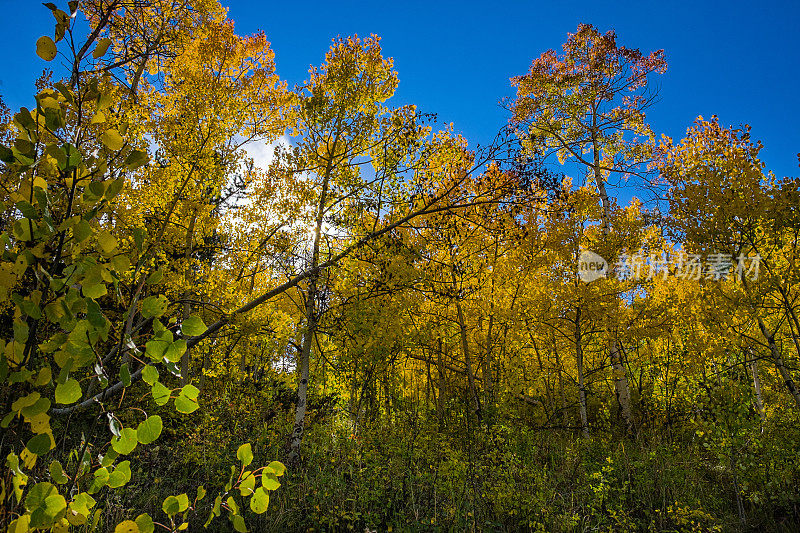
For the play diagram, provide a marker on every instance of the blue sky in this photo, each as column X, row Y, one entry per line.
column 735, row 59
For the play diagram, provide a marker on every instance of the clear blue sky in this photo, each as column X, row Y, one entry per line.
column 735, row 59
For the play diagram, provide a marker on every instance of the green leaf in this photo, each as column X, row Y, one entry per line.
column 248, row 484
column 126, row 442
column 46, row 48
column 31, row 309
column 150, row 374
column 22, row 229
column 42, row 405
column 101, row 48
column 95, row 291
column 68, row 392
column 154, row 306
column 114, row 187
column 215, row 510
column 128, row 526
column 277, row 467
column 149, row 430
column 81, row 231
column 57, row 473
column 6, row 155
column 25, row 401
column 38, row 494
column 156, row 349
column 238, row 523
column 270, row 482
column 112, row 139
column 260, row 501
column 185, row 405
column 39, row 444
column 82, row 503
column 190, row 391
column 94, row 314
column 245, row 454
column 120, row 476
column 101, row 476
column 110, row 456
column 175, row 504
column 145, row 523
column 155, row 277
column 125, row 375
column 175, row 350
column 46, row 505
column 106, row 241
column 161, row 394
column 193, row 326
column 136, row 159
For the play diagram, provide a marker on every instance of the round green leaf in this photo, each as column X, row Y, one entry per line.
column 245, row 454
column 121, row 475
column 145, row 523
column 136, row 159
column 260, row 501
column 41, row 406
column 150, row 374
column 68, row 392
column 185, row 405
column 39, row 444
column 112, row 139
column 238, row 523
column 149, row 430
column 190, row 391
column 57, row 473
column 126, row 442
column 193, row 326
column 128, row 526
column 46, row 48
column 153, row 306
column 270, row 482
column 277, row 467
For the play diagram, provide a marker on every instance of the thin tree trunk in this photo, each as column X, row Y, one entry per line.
column 467, row 359
column 187, row 307
column 581, row 384
column 621, row 386
column 757, row 388
column 561, row 390
column 486, row 366
column 304, row 362
column 303, row 367
column 442, row 385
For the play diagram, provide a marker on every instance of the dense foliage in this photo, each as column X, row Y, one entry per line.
column 411, row 334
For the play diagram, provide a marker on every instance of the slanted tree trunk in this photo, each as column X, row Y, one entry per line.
column 462, row 326
column 779, row 364
column 757, row 387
